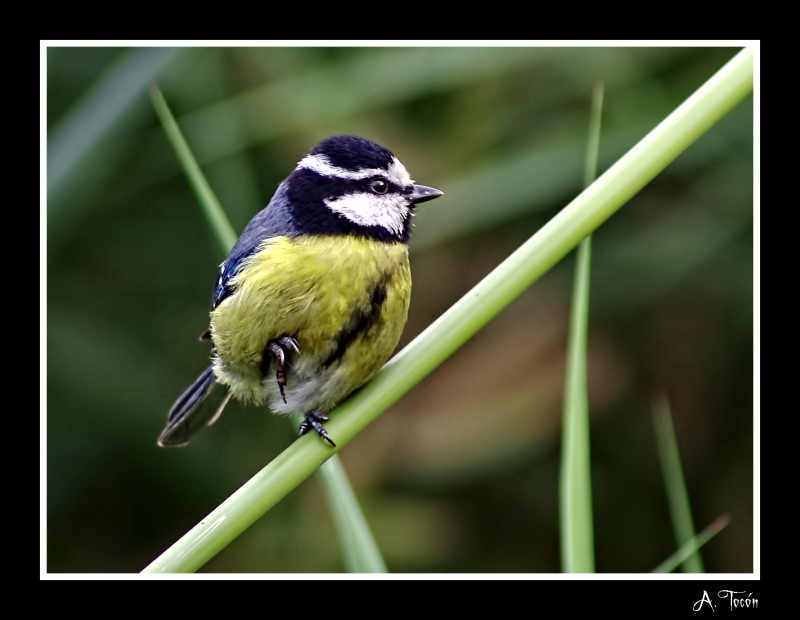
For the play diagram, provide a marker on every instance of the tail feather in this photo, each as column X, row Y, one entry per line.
column 195, row 409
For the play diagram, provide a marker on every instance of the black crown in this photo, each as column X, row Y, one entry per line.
column 353, row 153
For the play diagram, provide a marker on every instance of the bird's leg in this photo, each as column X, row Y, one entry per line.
column 314, row 420
column 280, row 348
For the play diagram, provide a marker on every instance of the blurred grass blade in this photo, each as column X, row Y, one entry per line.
column 75, row 143
column 361, row 552
column 205, row 195
column 320, row 96
column 519, row 271
column 342, row 90
column 577, row 531
column 532, row 175
column 692, row 546
column 677, row 496
column 593, row 146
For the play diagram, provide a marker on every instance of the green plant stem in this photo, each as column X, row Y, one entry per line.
column 577, row 537
column 593, row 145
column 577, row 530
column 534, row 258
column 361, row 553
column 691, row 546
column 205, row 195
column 677, row 495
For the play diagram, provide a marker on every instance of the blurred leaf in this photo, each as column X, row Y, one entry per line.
column 524, row 182
column 77, row 143
column 634, row 271
column 692, row 546
column 677, row 495
column 345, row 89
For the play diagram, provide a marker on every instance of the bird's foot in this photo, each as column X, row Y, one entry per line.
column 314, row 420
column 281, row 348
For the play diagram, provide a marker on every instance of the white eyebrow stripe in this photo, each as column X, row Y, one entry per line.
column 323, row 166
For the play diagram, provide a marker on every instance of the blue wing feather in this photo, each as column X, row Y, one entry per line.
column 274, row 220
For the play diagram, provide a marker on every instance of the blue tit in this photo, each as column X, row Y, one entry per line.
column 313, row 297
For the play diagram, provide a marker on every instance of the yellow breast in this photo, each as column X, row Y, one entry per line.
column 344, row 299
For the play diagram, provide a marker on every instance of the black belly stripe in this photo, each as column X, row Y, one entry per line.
column 361, row 321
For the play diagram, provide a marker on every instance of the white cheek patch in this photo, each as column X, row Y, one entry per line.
column 389, row 211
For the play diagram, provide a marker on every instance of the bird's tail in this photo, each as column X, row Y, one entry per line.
column 195, row 409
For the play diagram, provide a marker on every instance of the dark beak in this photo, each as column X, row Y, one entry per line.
column 421, row 193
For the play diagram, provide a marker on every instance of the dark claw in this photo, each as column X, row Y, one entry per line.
column 278, row 348
column 289, row 343
column 313, row 420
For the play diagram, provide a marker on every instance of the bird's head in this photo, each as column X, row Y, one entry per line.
column 349, row 185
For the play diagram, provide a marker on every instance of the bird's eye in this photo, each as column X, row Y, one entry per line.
column 378, row 186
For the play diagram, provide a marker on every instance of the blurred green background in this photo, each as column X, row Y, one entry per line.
column 461, row 475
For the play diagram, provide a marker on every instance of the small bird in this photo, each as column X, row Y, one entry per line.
column 312, row 299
